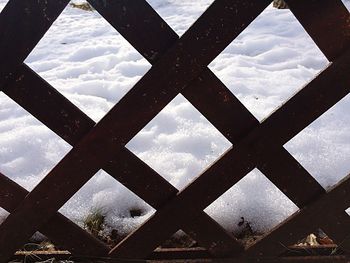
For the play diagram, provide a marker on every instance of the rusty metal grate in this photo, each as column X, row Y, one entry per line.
column 179, row 65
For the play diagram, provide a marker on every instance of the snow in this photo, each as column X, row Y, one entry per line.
column 269, row 62
column 257, row 200
column 179, row 143
column 93, row 68
column 28, row 149
column 180, row 15
column 104, row 194
column 323, row 147
column 85, row 59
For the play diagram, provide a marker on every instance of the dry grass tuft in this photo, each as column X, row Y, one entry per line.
column 94, row 222
column 82, row 6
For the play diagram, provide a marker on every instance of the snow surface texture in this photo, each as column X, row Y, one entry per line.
column 93, row 66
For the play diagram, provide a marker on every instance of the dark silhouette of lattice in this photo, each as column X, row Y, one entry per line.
column 179, row 65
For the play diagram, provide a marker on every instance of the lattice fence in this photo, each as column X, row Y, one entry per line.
column 179, row 65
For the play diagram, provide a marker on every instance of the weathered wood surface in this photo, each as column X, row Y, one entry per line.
column 179, row 65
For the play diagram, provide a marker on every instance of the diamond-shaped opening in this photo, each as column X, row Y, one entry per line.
column 346, row 3
column 87, row 60
column 251, row 207
column 2, row 4
column 323, row 147
column 37, row 242
column 179, row 143
column 180, row 15
column 28, row 149
column 179, row 240
column 269, row 61
column 348, row 211
column 3, row 215
column 107, row 209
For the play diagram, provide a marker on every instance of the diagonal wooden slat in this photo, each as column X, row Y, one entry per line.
column 337, row 228
column 37, row 96
column 76, row 125
column 318, row 189
column 332, row 35
column 127, row 165
column 329, row 45
column 204, row 91
column 308, row 104
column 22, row 25
column 212, row 236
column 303, row 222
column 104, row 134
column 288, row 175
column 153, row 40
column 280, row 235
column 73, row 238
column 283, row 170
column 332, row 32
column 259, row 144
column 147, row 20
column 330, row 84
column 70, row 123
